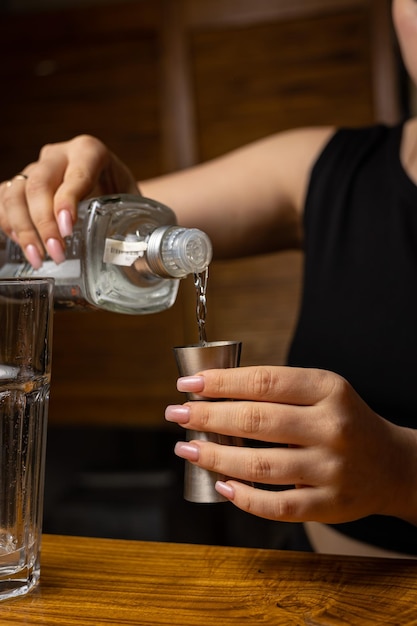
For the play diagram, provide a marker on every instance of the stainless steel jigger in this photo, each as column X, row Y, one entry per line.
column 199, row 483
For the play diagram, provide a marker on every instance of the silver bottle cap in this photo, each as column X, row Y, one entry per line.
column 176, row 252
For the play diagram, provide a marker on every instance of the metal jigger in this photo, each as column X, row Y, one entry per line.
column 199, row 483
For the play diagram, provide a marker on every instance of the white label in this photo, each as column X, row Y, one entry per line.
column 68, row 270
column 123, row 252
column 8, row 372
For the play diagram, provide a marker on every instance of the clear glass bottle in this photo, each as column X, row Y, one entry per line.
column 126, row 255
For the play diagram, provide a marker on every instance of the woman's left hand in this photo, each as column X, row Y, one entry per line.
column 342, row 460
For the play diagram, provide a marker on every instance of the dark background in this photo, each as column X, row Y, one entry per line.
column 167, row 84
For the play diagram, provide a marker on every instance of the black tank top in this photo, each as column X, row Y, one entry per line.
column 358, row 313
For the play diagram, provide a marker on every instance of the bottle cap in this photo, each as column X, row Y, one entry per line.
column 177, row 252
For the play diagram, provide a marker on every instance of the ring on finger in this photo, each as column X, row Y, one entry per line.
column 19, row 176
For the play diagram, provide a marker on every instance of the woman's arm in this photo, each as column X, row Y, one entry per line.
column 250, row 200
column 247, row 201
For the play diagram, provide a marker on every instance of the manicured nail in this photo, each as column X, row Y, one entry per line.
column 190, row 383
column 177, row 413
column 64, row 220
column 33, row 256
column 55, row 250
column 187, row 451
column 224, row 489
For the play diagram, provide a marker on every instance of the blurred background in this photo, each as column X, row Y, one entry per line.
column 166, row 84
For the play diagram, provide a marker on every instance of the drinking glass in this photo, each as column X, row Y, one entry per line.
column 25, row 368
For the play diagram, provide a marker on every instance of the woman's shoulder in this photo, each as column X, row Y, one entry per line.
column 348, row 147
column 361, row 137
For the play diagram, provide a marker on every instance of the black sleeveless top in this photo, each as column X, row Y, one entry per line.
column 358, row 312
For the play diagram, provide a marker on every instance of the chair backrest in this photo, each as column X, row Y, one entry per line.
column 168, row 83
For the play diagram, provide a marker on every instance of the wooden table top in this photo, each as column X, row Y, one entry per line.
column 106, row 582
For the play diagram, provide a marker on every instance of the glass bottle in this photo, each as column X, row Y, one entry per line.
column 126, row 255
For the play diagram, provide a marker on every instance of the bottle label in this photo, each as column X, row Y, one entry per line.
column 125, row 253
column 66, row 272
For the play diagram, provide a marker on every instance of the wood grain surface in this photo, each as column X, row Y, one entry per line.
column 106, row 582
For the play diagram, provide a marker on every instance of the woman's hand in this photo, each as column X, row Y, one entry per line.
column 38, row 207
column 345, row 461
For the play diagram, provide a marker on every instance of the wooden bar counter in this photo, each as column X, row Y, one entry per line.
column 106, row 582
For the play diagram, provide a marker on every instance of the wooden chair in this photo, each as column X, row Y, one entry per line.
column 168, row 83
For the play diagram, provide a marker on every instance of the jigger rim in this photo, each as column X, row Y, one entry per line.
column 209, row 344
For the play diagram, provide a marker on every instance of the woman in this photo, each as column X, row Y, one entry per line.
column 346, row 407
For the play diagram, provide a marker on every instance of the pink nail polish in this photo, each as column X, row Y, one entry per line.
column 177, row 413
column 190, row 383
column 224, row 489
column 33, row 256
column 187, row 451
column 64, row 220
column 55, row 250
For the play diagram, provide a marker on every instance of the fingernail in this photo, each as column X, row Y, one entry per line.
column 55, row 250
column 177, row 413
column 187, row 451
column 33, row 256
column 190, row 383
column 64, row 220
column 224, row 489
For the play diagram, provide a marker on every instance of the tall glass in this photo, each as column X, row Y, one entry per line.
column 25, row 369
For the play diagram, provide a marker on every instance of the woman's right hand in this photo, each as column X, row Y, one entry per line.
column 38, row 207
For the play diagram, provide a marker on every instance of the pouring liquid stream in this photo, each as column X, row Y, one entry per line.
column 200, row 283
